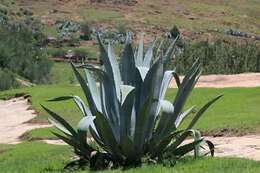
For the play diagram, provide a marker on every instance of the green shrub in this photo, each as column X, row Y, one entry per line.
column 86, row 31
column 128, row 115
column 7, row 80
column 221, row 57
column 174, row 32
column 56, row 52
column 21, row 54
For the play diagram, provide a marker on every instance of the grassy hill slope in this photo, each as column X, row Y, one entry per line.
column 154, row 15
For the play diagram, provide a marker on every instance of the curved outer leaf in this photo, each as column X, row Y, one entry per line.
column 157, row 147
column 86, row 90
column 59, row 126
column 166, row 122
column 128, row 64
column 84, row 151
column 180, row 139
column 182, row 116
column 202, row 110
column 182, row 150
column 79, row 102
column 93, row 88
column 60, row 120
column 211, row 147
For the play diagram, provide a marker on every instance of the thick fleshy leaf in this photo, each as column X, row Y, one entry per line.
column 115, row 69
column 110, row 104
column 106, row 134
column 140, row 52
column 202, row 110
column 143, row 71
column 93, row 88
column 128, row 64
column 79, row 102
column 211, row 147
column 169, row 53
column 83, row 151
column 86, row 90
column 180, row 139
column 97, row 138
column 110, row 66
column 85, row 122
column 167, row 109
column 59, row 126
column 60, row 120
column 149, row 55
column 182, row 116
column 182, row 150
column 125, row 90
column 157, row 147
column 151, row 87
column 140, row 126
column 126, row 113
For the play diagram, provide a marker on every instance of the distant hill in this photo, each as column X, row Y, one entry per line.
column 154, row 15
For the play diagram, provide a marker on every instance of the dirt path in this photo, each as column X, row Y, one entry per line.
column 14, row 114
column 242, row 147
column 225, row 81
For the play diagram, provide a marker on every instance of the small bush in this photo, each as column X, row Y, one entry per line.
column 7, row 80
column 21, row 54
column 86, row 31
column 221, row 57
column 174, row 32
column 56, row 52
column 81, row 53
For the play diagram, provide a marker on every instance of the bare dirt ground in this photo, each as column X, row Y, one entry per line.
column 242, row 147
column 225, row 81
column 14, row 115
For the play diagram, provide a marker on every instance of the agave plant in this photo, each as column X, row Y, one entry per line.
column 127, row 114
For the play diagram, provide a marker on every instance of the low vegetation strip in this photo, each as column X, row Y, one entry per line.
column 32, row 157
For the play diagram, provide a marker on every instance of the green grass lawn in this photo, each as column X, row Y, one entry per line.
column 36, row 157
column 238, row 111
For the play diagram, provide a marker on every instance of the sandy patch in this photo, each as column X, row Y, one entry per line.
column 14, row 115
column 241, row 147
column 225, row 81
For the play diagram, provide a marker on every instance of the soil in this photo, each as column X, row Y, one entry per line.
column 226, row 81
column 14, row 117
